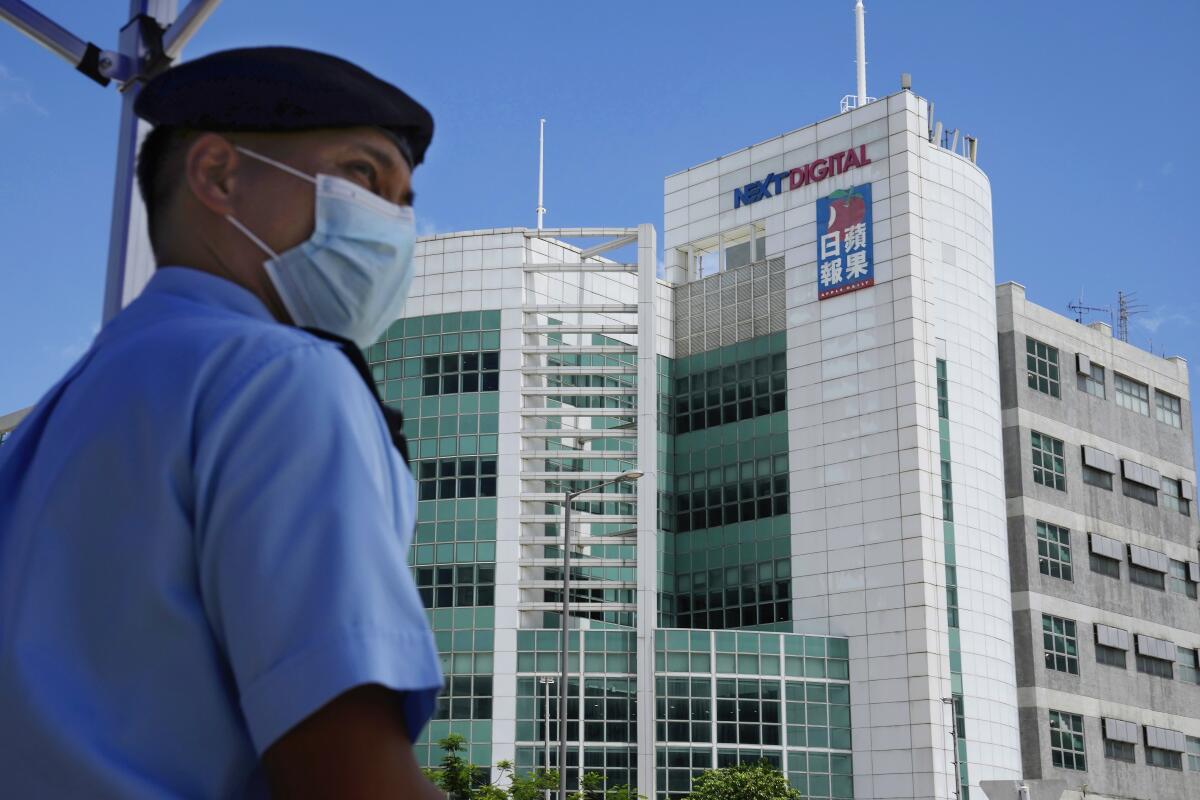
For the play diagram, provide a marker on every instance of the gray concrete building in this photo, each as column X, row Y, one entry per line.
column 1100, row 477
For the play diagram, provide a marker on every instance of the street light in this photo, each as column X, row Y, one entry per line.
column 546, row 681
column 568, row 499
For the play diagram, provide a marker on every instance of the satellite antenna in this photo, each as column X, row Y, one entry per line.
column 146, row 45
column 541, row 208
column 860, row 60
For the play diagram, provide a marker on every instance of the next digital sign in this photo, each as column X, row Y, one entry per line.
column 813, row 172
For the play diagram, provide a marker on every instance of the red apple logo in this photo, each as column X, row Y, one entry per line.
column 847, row 207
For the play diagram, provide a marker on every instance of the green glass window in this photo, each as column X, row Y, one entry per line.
column 731, row 392
column 456, row 585
column 1066, row 741
column 1048, row 464
column 1041, row 364
column 446, row 478
column 1054, row 550
column 1060, row 644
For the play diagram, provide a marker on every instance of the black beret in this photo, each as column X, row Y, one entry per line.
column 280, row 89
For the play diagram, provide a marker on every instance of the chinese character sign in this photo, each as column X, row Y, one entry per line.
column 845, row 260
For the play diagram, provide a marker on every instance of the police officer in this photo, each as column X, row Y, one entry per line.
column 204, row 524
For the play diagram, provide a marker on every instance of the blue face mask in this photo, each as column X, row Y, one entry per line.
column 351, row 277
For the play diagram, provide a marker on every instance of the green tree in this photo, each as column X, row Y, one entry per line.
column 462, row 780
column 456, row 776
column 759, row 781
column 593, row 789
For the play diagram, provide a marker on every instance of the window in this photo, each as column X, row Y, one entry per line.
column 1110, row 656
column 1060, row 645
column 608, row 708
column 683, row 714
column 1048, row 465
column 1159, row 668
column 1066, row 741
column 1138, row 491
column 1150, row 578
column 1108, row 567
column 753, row 493
column 749, row 712
column 465, row 697
column 943, row 390
column 446, row 478
column 1097, row 477
column 1041, row 363
column 1168, row 409
column 460, row 372
column 1054, row 550
column 1131, row 394
column 1106, row 555
column 1193, row 753
column 1172, row 496
column 739, row 247
column 1120, row 738
column 744, row 246
column 1121, row 751
column 749, row 594
column 1178, row 580
column 1189, row 665
column 947, row 491
column 457, row 586
column 1160, row 757
column 744, row 390
column 1093, row 381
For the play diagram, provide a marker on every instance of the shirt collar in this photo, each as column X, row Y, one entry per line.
column 209, row 289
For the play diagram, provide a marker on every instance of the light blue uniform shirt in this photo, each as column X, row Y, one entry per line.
column 203, row 531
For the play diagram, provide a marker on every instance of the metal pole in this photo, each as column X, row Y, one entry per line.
column 546, row 680
column 954, row 736
column 562, row 690
column 860, row 51
column 193, row 15
column 568, row 498
column 130, row 260
column 541, row 209
column 44, row 31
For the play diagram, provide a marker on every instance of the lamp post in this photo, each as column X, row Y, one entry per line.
column 546, row 681
column 568, row 499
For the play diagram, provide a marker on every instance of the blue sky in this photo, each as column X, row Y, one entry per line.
column 1081, row 110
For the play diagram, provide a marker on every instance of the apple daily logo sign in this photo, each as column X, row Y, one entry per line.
column 845, row 254
column 813, row 172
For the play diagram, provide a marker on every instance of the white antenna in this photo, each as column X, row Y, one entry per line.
column 541, row 208
column 860, row 39
column 860, row 98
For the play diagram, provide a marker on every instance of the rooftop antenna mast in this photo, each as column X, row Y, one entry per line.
column 860, row 59
column 1080, row 309
column 541, row 207
column 1126, row 308
column 860, row 50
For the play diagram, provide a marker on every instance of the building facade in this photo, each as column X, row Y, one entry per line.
column 870, row 480
column 814, row 567
column 1100, row 479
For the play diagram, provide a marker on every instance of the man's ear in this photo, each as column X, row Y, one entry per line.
column 210, row 169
